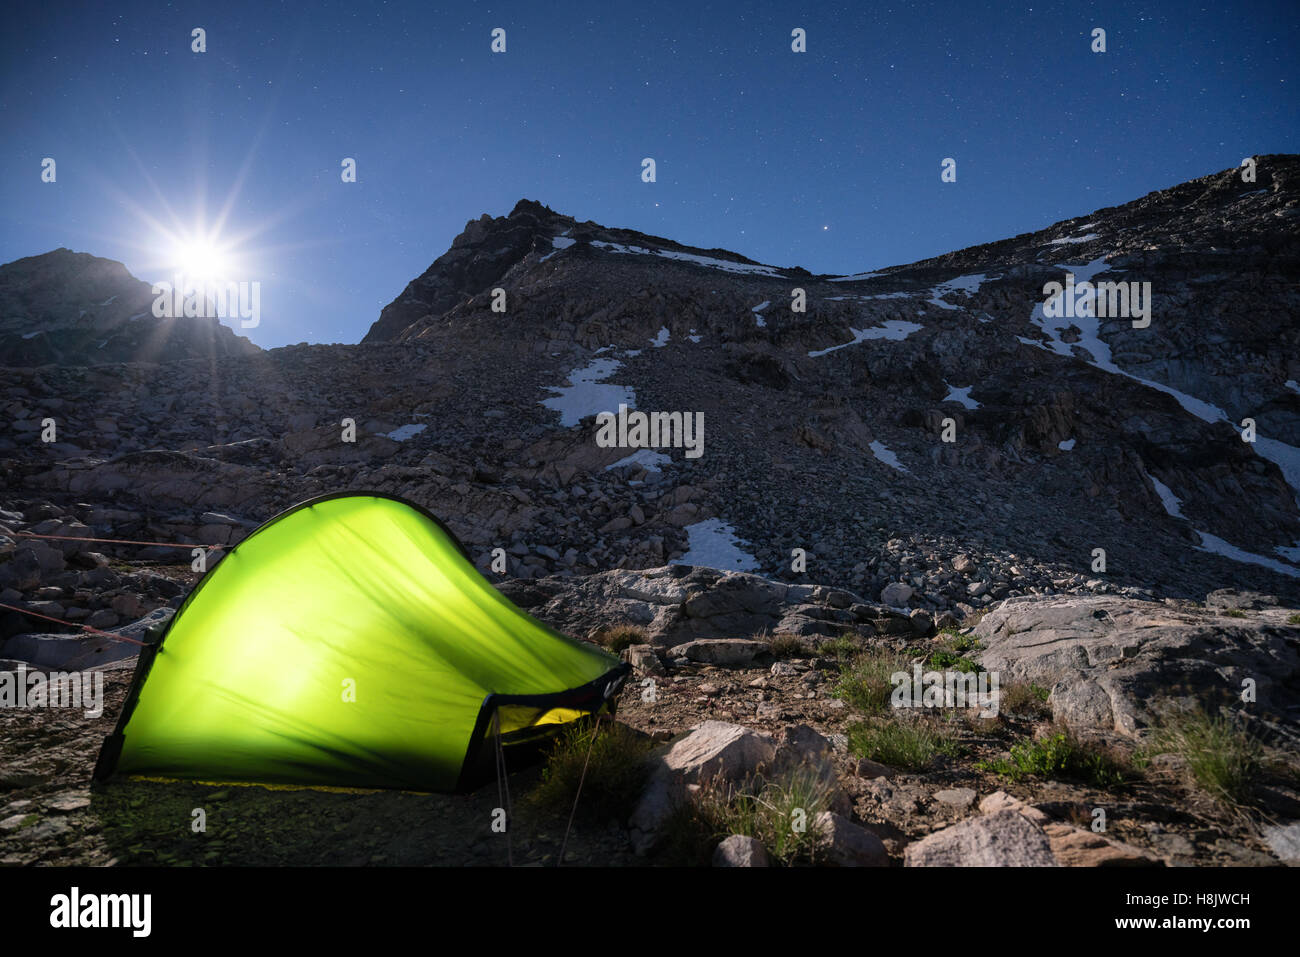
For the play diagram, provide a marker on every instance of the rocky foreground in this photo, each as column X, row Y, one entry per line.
column 739, row 678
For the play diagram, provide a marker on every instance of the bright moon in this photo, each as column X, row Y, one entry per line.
column 201, row 260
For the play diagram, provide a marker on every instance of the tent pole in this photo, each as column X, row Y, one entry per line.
column 503, row 785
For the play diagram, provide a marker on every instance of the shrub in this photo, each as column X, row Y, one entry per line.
column 788, row 646
column 617, row 638
column 616, row 771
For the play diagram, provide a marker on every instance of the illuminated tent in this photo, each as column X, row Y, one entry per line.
column 351, row 642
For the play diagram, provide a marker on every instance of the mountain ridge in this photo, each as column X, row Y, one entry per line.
column 39, row 295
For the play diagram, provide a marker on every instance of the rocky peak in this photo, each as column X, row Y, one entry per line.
column 489, row 249
column 71, row 308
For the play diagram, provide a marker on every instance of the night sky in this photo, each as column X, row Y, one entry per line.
column 828, row 159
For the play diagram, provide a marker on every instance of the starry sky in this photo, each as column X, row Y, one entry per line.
column 828, row 159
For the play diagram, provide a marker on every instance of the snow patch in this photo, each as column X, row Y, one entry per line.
column 968, row 284
column 751, row 269
column 648, row 459
column 713, row 544
column 560, row 243
column 894, row 329
column 1090, row 341
column 586, row 394
column 405, row 432
column 1072, row 239
column 1173, row 505
column 1066, row 445
column 661, row 340
column 885, row 455
column 1215, row 545
column 961, row 395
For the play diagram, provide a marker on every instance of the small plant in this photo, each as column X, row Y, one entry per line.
column 954, row 641
column 1235, row 613
column 1061, row 755
column 779, row 813
column 1026, row 699
column 1223, row 759
column 788, row 646
column 617, row 638
column 616, row 770
column 909, row 745
column 944, row 660
column 1293, row 619
column 839, row 648
column 865, row 684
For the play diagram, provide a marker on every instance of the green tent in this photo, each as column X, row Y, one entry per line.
column 351, row 642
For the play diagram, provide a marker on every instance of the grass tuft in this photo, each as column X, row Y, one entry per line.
column 788, row 646
column 616, row 773
column 911, row 745
column 1025, row 699
column 617, row 638
column 1061, row 755
column 1223, row 759
column 865, row 683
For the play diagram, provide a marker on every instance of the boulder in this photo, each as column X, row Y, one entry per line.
column 1001, row 839
column 739, row 850
column 1079, row 847
column 720, row 651
column 959, row 798
column 643, row 660
column 895, row 594
column 1110, row 659
column 1002, row 801
column 1284, row 840
column 845, row 844
column 713, row 751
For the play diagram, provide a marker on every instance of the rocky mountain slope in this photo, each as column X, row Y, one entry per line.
column 69, row 308
column 823, row 430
